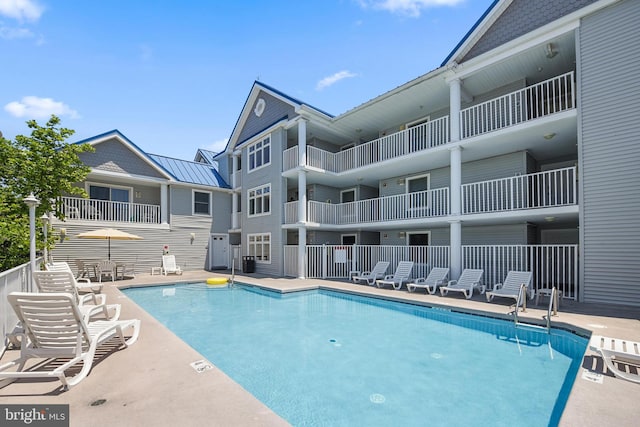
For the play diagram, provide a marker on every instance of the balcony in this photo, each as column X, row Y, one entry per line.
column 540, row 100
column 107, row 211
column 537, row 190
column 422, row 204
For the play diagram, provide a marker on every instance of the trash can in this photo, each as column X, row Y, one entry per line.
column 248, row 264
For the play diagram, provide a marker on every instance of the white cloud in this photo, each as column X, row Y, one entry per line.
column 217, row 146
column 330, row 80
column 22, row 10
column 411, row 8
column 9, row 33
column 33, row 107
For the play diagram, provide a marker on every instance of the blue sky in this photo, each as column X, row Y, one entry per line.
column 173, row 76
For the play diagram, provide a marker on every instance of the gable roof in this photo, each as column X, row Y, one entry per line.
column 205, row 156
column 190, row 172
column 252, row 97
column 116, row 134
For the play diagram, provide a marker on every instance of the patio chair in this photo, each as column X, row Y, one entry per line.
column 106, row 269
column 54, row 328
column 620, row 351
column 82, row 283
column 466, row 283
column 89, row 304
column 397, row 279
column 435, row 279
column 371, row 276
column 169, row 265
column 510, row 288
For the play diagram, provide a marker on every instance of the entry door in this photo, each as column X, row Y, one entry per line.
column 219, row 251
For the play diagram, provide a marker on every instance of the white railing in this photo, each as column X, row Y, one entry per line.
column 337, row 261
column 537, row 190
column 421, row 204
column 291, row 261
column 542, row 99
column 290, row 158
column 106, row 210
column 422, row 137
column 291, row 212
column 17, row 279
column 551, row 265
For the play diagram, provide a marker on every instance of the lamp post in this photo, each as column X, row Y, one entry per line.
column 45, row 228
column 32, row 202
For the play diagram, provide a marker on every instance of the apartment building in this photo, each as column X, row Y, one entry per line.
column 519, row 152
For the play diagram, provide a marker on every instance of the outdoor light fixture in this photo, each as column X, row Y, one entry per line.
column 549, row 51
column 548, row 136
column 193, row 237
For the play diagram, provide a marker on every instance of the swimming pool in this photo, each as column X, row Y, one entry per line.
column 327, row 358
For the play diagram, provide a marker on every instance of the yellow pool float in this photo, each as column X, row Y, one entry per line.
column 217, row 281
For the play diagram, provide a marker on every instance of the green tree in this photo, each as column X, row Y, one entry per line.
column 43, row 164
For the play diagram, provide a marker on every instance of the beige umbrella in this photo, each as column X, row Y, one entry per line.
column 108, row 234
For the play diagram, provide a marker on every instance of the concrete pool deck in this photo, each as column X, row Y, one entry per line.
column 153, row 383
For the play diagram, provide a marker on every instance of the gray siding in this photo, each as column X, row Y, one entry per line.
column 274, row 111
column 266, row 223
column 494, row 167
column 113, row 156
column 610, row 158
column 514, row 234
column 521, row 17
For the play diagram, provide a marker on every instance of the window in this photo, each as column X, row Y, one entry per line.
column 260, row 154
column 259, row 200
column 260, row 247
column 201, row 203
column 114, row 194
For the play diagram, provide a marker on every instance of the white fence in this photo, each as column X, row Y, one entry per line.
column 106, row 210
column 17, row 279
column 548, row 97
column 552, row 265
column 537, row 190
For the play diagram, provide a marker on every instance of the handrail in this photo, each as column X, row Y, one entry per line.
column 523, row 291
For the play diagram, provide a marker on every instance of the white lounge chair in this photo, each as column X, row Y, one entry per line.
column 510, row 288
column 397, row 279
column 54, row 328
column 82, row 283
column 90, row 304
column 371, row 276
column 435, row 279
column 466, row 283
column 612, row 349
column 169, row 265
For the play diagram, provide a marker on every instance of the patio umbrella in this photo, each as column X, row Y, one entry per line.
column 108, row 234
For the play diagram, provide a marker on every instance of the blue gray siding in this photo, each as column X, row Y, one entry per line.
column 522, row 17
column 113, row 156
column 274, row 111
column 610, row 158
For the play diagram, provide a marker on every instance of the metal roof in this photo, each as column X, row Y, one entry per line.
column 207, row 155
column 190, row 172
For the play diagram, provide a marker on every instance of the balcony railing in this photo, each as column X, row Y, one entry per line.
column 537, row 190
column 422, row 137
column 545, row 98
column 291, row 212
column 108, row 211
column 422, row 204
column 237, row 176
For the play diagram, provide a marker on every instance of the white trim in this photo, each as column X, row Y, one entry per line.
column 193, row 203
column 417, row 122
column 347, row 190
column 129, row 177
column 261, row 198
column 88, row 184
column 266, row 141
column 411, row 233
column 259, row 261
column 415, row 177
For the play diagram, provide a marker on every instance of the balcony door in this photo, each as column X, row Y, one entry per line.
column 108, row 202
column 417, row 197
column 418, row 246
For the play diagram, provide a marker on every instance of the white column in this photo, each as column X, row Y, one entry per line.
column 455, row 160
column 456, row 249
column 31, row 201
column 302, row 198
column 454, row 109
column 302, row 143
column 164, row 203
column 234, row 209
column 234, row 169
column 302, row 250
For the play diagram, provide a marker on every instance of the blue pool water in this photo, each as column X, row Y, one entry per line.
column 323, row 358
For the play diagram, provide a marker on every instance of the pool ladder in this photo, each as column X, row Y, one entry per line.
column 522, row 300
column 233, row 274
